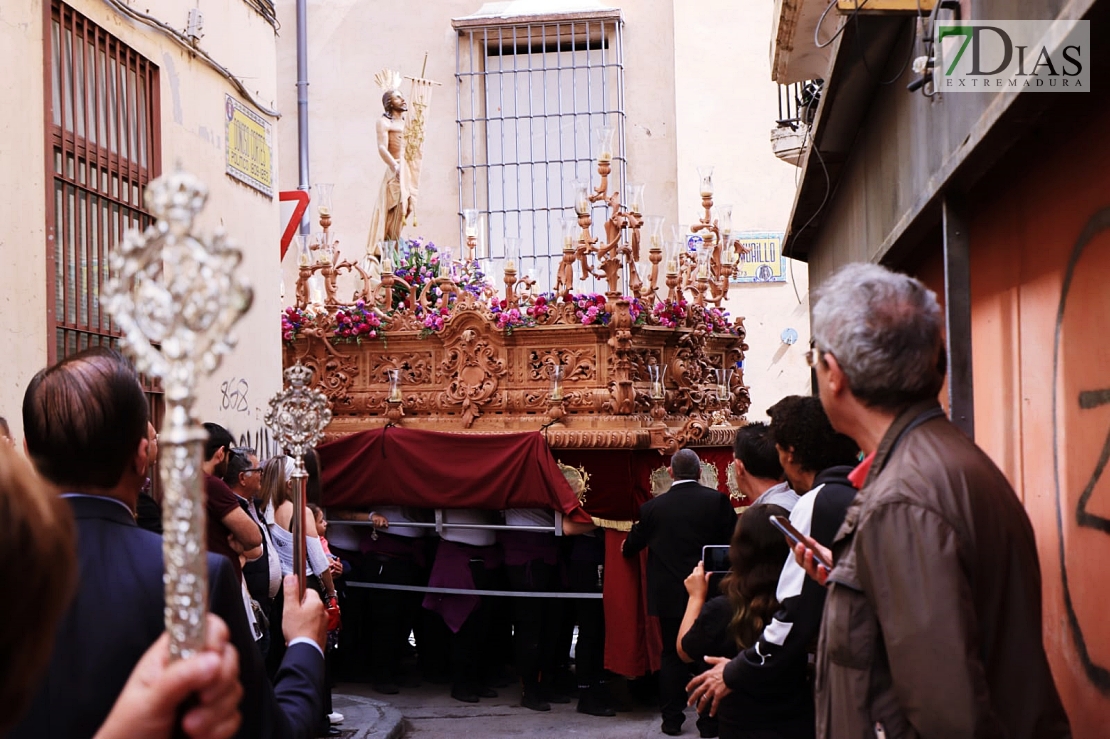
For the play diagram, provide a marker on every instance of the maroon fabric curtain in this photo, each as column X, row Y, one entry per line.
column 429, row 469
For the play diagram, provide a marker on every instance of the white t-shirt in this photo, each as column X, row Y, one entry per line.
column 474, row 537
column 530, row 517
column 395, row 514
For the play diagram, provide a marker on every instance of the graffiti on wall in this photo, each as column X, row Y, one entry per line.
column 1081, row 441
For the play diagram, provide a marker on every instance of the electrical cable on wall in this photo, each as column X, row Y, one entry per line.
column 909, row 53
column 825, row 199
column 821, row 21
column 184, row 41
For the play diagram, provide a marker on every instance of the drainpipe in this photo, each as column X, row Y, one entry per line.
column 303, row 182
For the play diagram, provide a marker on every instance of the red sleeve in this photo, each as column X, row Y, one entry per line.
column 218, row 498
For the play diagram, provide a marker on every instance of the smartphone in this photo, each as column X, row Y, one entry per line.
column 715, row 558
column 782, row 523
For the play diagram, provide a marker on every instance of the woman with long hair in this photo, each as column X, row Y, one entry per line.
column 733, row 621
column 277, row 506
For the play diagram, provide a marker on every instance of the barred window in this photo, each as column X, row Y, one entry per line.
column 530, row 95
column 102, row 130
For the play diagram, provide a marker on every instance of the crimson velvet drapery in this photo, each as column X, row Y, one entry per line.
column 428, row 469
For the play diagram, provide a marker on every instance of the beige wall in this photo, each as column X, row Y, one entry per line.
column 22, row 214
column 727, row 106
column 192, row 132
column 351, row 40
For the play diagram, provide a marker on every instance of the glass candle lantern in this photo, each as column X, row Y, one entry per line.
column 724, row 221
column 603, row 137
column 324, row 192
column 724, row 379
column 470, row 222
column 394, row 386
column 445, row 262
column 304, row 253
column 581, row 197
column 635, row 192
column 571, row 231
column 674, row 253
column 705, row 182
column 556, row 372
column 654, row 227
column 316, row 290
column 512, row 253
column 656, row 375
column 704, row 251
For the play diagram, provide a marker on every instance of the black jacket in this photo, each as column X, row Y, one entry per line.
column 116, row 615
column 776, row 665
column 674, row 527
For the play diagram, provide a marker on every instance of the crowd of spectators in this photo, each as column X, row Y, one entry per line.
column 905, row 604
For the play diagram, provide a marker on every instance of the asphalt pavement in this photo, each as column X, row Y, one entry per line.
column 430, row 712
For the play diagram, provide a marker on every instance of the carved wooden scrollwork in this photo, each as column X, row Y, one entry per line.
column 580, row 364
column 333, row 373
column 475, row 370
column 416, row 369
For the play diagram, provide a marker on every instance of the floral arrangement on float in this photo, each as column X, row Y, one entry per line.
column 419, row 268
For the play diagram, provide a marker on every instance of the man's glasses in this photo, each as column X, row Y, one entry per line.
column 252, row 469
column 813, row 356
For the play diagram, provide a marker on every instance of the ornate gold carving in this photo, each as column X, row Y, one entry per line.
column 579, row 480
column 709, row 476
column 333, row 372
column 733, row 484
column 660, row 481
column 580, row 364
column 474, row 370
column 416, row 369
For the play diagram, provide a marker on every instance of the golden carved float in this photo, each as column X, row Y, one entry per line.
column 472, row 376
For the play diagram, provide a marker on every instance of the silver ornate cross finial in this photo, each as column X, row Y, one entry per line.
column 175, row 298
column 298, row 416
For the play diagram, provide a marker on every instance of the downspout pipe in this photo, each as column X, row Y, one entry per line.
column 303, row 181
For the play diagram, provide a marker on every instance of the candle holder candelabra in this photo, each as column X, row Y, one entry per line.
column 175, row 298
column 297, row 418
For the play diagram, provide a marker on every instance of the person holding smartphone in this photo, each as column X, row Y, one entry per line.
column 727, row 623
column 816, row 461
column 932, row 624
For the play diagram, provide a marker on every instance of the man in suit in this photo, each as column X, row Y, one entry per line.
column 674, row 527
column 85, row 422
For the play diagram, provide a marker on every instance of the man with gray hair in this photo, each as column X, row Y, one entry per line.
column 932, row 624
column 674, row 527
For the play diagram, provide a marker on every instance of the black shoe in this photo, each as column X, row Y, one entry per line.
column 386, row 687
column 533, row 702
column 708, row 728
column 484, row 692
column 671, row 728
column 466, row 695
column 332, row 731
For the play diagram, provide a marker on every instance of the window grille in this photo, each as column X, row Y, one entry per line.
column 102, row 119
column 529, row 96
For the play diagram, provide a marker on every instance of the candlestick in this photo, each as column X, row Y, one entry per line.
column 387, row 264
column 394, row 386
column 604, row 137
column 705, row 177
